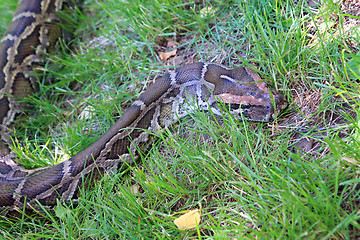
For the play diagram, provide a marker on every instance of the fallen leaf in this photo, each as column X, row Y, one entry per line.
column 188, row 220
column 166, row 55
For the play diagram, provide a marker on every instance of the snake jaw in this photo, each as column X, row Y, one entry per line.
column 258, row 108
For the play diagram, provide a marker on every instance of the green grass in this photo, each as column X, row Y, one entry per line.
column 247, row 178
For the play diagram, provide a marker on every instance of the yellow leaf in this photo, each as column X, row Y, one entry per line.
column 188, row 220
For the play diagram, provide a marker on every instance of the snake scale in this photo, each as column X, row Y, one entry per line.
column 34, row 30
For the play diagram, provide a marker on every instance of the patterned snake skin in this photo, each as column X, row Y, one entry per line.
column 35, row 30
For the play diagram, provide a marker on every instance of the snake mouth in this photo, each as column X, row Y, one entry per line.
column 256, row 113
column 245, row 107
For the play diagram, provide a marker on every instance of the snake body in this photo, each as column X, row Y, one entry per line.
column 167, row 99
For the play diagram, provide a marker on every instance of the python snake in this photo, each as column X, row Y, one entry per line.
column 33, row 31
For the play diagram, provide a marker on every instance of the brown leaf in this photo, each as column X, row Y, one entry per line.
column 166, row 55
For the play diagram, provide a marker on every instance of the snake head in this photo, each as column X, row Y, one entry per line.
column 248, row 96
column 254, row 105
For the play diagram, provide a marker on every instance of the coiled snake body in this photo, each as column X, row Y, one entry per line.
column 165, row 100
